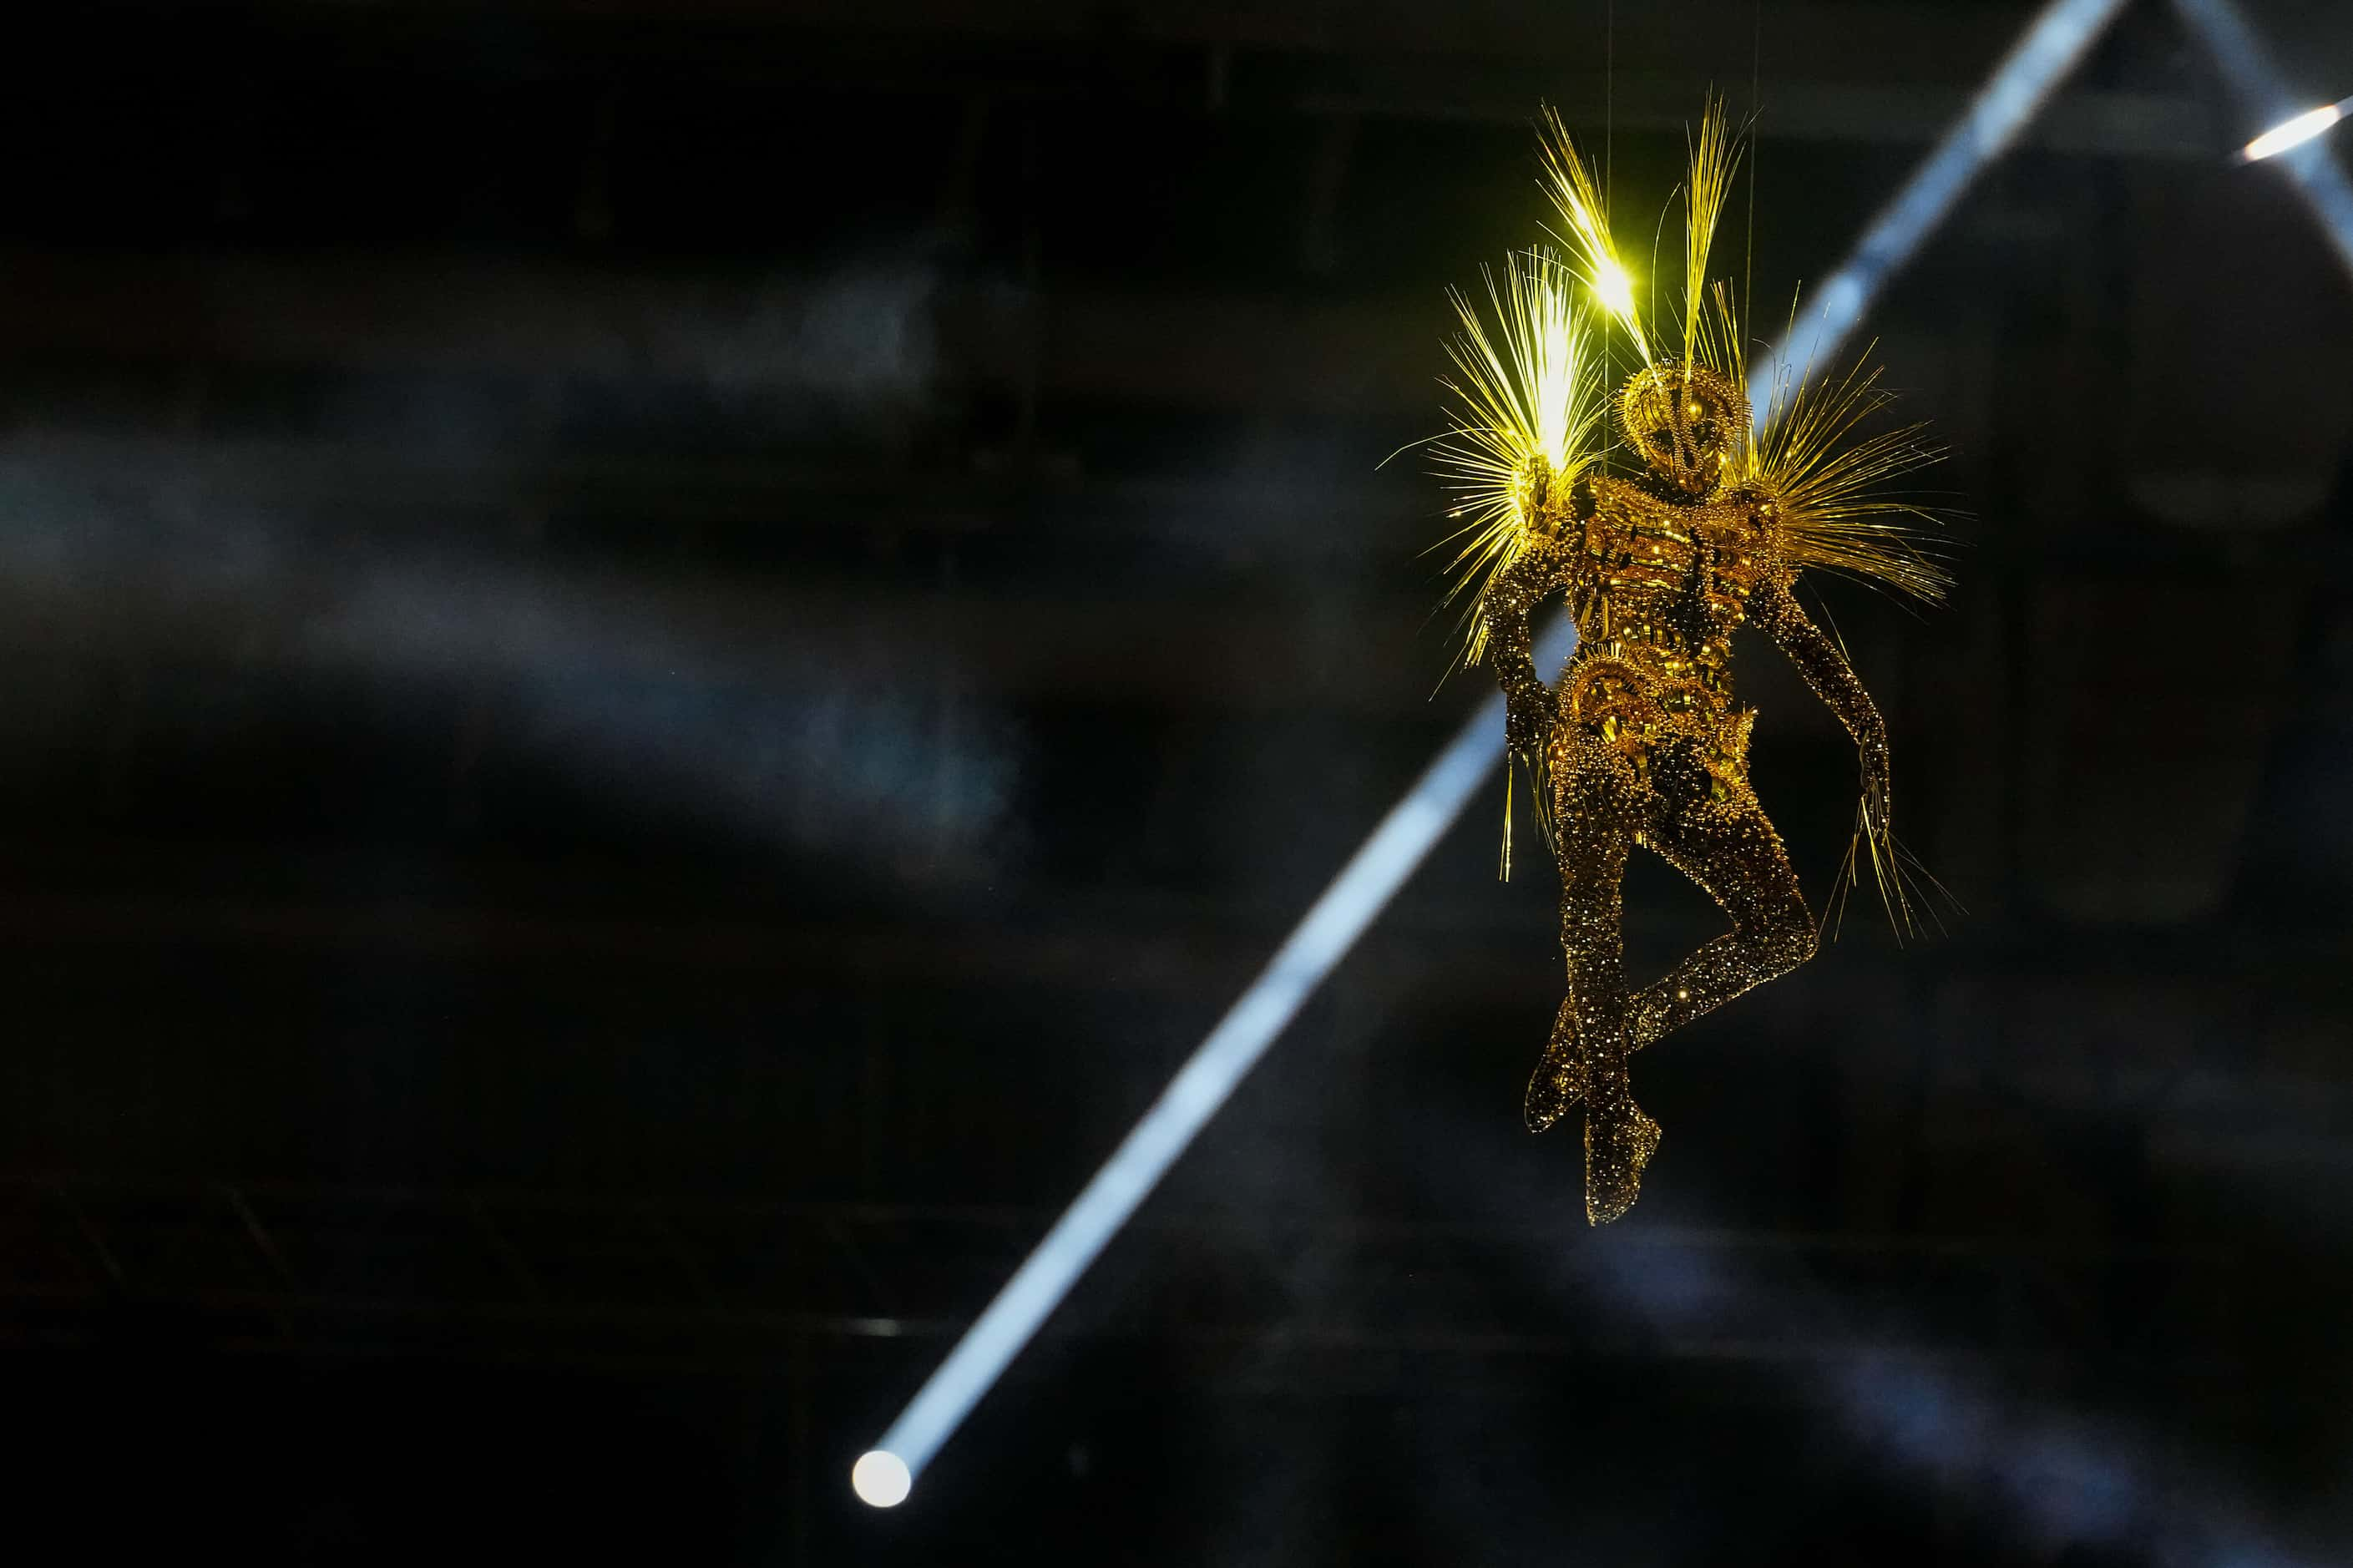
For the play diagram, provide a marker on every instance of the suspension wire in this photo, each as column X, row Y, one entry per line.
column 1756, row 60
column 1609, row 213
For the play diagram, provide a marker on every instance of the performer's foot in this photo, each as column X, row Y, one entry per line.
column 1559, row 1079
column 1619, row 1142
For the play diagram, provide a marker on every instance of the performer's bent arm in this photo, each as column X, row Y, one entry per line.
column 1826, row 670
column 1506, row 605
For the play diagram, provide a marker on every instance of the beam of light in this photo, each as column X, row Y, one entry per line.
column 2295, row 132
column 1930, row 1409
column 1319, row 942
column 2064, row 1483
column 2012, row 96
column 2021, row 83
column 2255, row 80
column 642, row 692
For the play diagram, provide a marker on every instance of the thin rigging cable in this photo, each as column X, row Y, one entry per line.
column 1608, row 159
column 1756, row 72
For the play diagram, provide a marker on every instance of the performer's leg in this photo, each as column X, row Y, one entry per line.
column 1727, row 846
column 1596, row 806
column 1596, row 811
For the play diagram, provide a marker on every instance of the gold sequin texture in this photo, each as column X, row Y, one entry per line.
column 1668, row 519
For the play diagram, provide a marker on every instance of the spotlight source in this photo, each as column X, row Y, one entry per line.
column 880, row 1478
column 2255, row 78
column 2295, row 132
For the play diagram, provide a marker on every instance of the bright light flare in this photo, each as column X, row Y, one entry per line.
column 2295, row 132
column 1555, row 342
column 1614, row 289
column 2254, row 78
column 1585, row 229
column 1530, row 402
column 880, row 1478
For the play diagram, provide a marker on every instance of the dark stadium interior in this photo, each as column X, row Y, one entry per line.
column 660, row 659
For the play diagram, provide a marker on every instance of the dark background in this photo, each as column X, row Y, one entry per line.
column 659, row 658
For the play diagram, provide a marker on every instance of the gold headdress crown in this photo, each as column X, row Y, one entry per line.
column 1687, row 421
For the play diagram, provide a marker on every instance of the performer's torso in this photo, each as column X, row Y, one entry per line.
column 1661, row 586
column 1666, row 585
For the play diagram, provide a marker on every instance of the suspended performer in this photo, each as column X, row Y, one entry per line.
column 1694, row 521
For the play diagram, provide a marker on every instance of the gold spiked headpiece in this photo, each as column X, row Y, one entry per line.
column 1686, row 420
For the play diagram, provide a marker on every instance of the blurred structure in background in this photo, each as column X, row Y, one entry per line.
column 662, row 659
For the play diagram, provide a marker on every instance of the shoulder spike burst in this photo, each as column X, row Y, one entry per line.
column 1524, row 429
column 1835, row 513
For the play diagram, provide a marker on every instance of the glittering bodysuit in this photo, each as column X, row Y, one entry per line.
column 1642, row 743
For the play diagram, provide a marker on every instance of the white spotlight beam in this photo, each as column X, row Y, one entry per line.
column 2254, row 77
column 1331, row 926
column 2297, row 131
column 2021, row 83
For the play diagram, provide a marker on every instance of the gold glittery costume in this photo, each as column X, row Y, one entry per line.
column 1642, row 743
